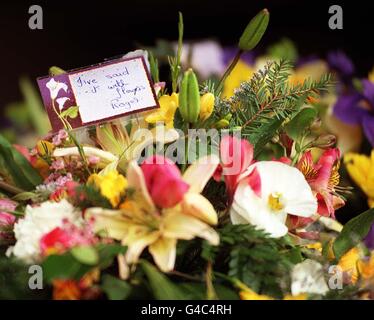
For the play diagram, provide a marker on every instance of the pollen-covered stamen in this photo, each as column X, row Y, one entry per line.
column 334, row 177
column 308, row 171
column 275, row 201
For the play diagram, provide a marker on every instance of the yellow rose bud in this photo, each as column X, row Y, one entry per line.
column 206, row 105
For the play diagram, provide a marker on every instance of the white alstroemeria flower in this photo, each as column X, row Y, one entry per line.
column 37, row 222
column 55, row 87
column 307, row 277
column 61, row 102
column 281, row 190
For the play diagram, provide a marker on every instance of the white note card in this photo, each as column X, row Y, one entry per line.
column 112, row 90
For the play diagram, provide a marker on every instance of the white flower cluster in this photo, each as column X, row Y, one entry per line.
column 37, row 222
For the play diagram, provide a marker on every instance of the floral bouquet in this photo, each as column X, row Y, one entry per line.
column 228, row 190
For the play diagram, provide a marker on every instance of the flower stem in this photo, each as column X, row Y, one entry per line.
column 228, row 70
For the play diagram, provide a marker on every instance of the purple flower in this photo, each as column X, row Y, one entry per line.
column 230, row 52
column 357, row 108
column 340, row 63
column 369, row 240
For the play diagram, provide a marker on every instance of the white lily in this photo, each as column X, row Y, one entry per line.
column 284, row 191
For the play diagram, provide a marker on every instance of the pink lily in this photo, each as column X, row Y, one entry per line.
column 236, row 156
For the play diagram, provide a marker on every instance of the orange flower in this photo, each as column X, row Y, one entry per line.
column 66, row 290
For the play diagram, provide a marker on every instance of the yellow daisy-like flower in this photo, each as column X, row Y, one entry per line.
column 112, row 185
column 361, row 169
column 168, row 106
column 242, row 72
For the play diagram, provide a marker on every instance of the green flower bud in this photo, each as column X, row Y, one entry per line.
column 189, row 97
column 324, row 141
column 254, row 31
column 55, row 71
column 223, row 123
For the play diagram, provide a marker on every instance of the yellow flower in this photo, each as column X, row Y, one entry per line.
column 168, row 106
column 348, row 263
column 366, row 268
column 44, row 147
column 140, row 224
column 313, row 70
column 361, row 169
column 371, row 75
column 249, row 294
column 301, row 296
column 112, row 185
column 242, row 72
column 206, row 105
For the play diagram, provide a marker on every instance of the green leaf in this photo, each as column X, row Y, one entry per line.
column 34, row 107
column 153, row 63
column 63, row 267
column 86, row 255
column 114, row 288
column 16, row 165
column 353, row 232
column 71, row 112
column 107, row 252
column 254, row 31
column 25, row 196
column 162, row 287
column 300, row 122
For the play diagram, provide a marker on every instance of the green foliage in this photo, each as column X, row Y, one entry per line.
column 353, row 232
column 15, row 166
column 115, row 288
column 162, row 288
column 251, row 256
column 301, row 122
column 262, row 105
column 154, row 67
column 14, row 278
column 85, row 255
column 284, row 49
column 71, row 112
column 76, row 263
column 174, row 62
column 89, row 196
column 34, row 107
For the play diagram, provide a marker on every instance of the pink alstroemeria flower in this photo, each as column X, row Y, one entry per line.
column 236, row 156
column 7, row 219
column 164, row 181
column 323, row 177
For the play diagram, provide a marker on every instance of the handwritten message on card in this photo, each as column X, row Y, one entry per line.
column 102, row 92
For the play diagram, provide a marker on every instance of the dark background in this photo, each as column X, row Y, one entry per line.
column 79, row 33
